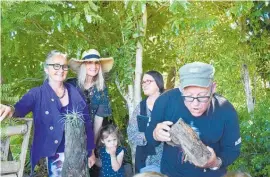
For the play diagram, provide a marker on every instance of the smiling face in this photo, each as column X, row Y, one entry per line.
column 196, row 107
column 92, row 68
column 149, row 85
column 53, row 74
column 110, row 141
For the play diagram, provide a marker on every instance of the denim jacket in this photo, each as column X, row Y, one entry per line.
column 48, row 128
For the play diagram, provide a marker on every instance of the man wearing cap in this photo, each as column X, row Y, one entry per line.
column 213, row 117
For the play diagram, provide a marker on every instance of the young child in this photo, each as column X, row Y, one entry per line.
column 110, row 152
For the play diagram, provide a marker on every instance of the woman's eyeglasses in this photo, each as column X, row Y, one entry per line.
column 57, row 66
column 147, row 82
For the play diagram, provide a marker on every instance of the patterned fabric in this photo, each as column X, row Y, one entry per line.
column 97, row 101
column 106, row 169
column 137, row 138
column 55, row 164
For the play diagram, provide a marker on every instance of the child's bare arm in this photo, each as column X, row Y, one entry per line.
column 117, row 160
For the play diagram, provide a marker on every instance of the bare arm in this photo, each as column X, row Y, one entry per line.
column 97, row 125
column 117, row 160
column 91, row 159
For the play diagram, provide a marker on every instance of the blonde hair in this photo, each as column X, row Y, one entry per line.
column 237, row 174
column 98, row 80
column 150, row 174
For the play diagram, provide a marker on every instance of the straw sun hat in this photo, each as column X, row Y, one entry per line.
column 91, row 55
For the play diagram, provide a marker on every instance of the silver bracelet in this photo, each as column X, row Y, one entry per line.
column 219, row 164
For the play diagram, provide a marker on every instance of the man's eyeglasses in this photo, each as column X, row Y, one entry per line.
column 147, row 82
column 57, row 66
column 201, row 99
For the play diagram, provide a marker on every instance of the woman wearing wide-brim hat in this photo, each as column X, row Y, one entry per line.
column 90, row 80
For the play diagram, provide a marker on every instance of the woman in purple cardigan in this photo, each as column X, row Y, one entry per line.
column 49, row 102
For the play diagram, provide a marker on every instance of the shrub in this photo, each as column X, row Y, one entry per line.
column 255, row 133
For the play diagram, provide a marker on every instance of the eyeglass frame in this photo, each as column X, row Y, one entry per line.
column 198, row 97
column 147, row 82
column 60, row 66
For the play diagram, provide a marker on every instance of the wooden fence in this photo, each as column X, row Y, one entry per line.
column 11, row 168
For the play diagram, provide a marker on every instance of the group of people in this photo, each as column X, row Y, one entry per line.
column 195, row 101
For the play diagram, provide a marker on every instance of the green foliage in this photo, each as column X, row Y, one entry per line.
column 176, row 32
column 255, row 135
column 6, row 96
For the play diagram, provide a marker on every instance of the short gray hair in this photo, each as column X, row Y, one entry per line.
column 49, row 57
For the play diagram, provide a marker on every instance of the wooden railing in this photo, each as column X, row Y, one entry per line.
column 14, row 168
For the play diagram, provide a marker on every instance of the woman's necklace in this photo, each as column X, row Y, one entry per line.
column 64, row 93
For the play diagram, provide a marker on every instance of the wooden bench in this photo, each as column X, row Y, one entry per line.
column 11, row 168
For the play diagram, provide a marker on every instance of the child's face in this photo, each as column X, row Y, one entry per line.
column 110, row 141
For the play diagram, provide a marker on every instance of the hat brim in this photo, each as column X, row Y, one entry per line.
column 106, row 63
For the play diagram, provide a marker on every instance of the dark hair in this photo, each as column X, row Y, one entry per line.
column 158, row 79
column 105, row 131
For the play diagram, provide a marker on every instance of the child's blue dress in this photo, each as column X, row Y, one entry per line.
column 106, row 169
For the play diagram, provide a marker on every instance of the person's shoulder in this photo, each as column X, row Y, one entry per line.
column 169, row 94
column 38, row 89
column 101, row 149
column 35, row 91
column 102, row 91
column 222, row 101
column 174, row 91
column 224, row 105
column 120, row 149
column 71, row 87
column 72, row 81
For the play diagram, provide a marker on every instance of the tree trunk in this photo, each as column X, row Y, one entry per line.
column 133, row 97
column 194, row 150
column 75, row 163
column 248, row 90
column 138, row 74
column 170, row 83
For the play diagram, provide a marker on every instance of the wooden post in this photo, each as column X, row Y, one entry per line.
column 14, row 130
column 248, row 90
column 13, row 167
column 9, row 167
column 24, row 147
column 4, row 148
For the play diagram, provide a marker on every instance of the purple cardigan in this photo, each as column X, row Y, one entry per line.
column 48, row 129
